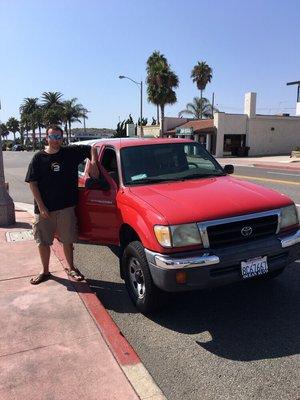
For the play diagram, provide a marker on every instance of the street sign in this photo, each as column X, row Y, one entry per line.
column 184, row 131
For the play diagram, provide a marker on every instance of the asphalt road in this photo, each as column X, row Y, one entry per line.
column 236, row 342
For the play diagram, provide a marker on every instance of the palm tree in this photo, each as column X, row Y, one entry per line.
column 51, row 99
column 4, row 130
column 53, row 107
column 28, row 111
column 155, row 57
column 13, row 126
column 201, row 75
column 72, row 112
column 199, row 107
column 161, row 81
column 38, row 118
column 24, row 127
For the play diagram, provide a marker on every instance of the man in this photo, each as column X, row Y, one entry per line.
column 53, row 179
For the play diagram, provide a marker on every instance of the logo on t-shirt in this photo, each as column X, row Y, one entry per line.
column 55, row 167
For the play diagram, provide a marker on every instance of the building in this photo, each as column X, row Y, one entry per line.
column 238, row 134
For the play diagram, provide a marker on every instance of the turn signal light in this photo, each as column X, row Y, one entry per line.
column 181, row 277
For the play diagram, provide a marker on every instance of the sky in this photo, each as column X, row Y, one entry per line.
column 79, row 48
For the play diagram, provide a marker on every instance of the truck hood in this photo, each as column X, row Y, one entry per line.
column 207, row 199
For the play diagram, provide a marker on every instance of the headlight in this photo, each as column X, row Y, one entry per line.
column 185, row 235
column 289, row 217
column 177, row 235
column 163, row 235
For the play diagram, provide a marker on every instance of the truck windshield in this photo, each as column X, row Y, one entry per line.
column 167, row 162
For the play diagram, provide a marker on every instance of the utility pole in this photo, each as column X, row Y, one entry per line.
column 7, row 208
column 140, row 84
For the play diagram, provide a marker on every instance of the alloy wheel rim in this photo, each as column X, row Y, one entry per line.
column 136, row 277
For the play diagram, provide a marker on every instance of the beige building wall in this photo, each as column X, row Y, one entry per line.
column 270, row 135
column 151, row 130
column 229, row 124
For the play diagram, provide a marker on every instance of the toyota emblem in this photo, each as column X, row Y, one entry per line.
column 246, row 231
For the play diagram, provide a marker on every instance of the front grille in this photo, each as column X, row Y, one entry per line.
column 231, row 232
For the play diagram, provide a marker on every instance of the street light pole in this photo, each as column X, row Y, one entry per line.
column 7, row 208
column 141, row 107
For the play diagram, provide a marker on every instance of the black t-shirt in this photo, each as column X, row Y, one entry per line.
column 57, row 176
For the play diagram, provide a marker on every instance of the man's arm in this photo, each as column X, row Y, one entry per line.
column 93, row 170
column 38, row 198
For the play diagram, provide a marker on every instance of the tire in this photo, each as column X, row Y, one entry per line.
column 139, row 284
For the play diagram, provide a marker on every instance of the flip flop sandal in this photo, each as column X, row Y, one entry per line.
column 75, row 274
column 40, row 278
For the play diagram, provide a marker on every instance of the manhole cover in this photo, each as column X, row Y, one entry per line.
column 19, row 236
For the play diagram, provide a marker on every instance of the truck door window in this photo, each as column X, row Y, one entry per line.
column 109, row 163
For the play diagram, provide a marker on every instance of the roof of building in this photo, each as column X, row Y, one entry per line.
column 198, row 125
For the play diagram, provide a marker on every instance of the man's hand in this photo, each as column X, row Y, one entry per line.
column 93, row 170
column 44, row 212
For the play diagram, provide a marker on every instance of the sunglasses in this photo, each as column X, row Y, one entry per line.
column 55, row 136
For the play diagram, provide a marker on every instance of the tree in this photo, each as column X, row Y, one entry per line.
column 28, row 111
column 161, row 81
column 51, row 99
column 4, row 130
column 13, row 126
column 155, row 57
column 201, row 75
column 72, row 112
column 53, row 108
column 198, row 108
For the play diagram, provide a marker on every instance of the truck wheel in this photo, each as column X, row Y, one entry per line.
column 139, row 284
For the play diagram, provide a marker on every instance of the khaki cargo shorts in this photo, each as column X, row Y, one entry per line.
column 61, row 223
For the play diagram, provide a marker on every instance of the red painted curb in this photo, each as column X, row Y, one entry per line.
column 276, row 166
column 121, row 349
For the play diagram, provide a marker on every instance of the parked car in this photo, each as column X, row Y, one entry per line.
column 17, row 147
column 180, row 220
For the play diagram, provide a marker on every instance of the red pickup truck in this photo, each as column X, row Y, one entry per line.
column 180, row 220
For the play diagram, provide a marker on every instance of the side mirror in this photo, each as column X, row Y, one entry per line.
column 229, row 169
column 97, row 184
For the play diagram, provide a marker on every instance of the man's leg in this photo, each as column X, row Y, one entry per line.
column 44, row 251
column 43, row 230
column 72, row 271
column 68, row 250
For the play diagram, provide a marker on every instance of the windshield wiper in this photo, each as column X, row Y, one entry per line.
column 153, row 180
column 202, row 176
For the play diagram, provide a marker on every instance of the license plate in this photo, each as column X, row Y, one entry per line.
column 254, row 267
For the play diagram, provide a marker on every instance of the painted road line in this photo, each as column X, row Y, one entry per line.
column 282, row 173
column 255, row 178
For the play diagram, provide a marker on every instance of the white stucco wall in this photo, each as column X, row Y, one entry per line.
column 151, row 130
column 282, row 140
column 259, row 137
column 229, row 124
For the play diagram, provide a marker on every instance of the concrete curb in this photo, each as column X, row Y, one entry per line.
column 130, row 363
column 292, row 167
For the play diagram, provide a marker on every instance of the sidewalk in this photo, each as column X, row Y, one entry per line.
column 276, row 162
column 56, row 339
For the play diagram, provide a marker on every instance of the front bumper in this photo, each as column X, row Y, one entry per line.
column 214, row 267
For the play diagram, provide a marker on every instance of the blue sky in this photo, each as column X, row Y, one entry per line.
column 80, row 48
